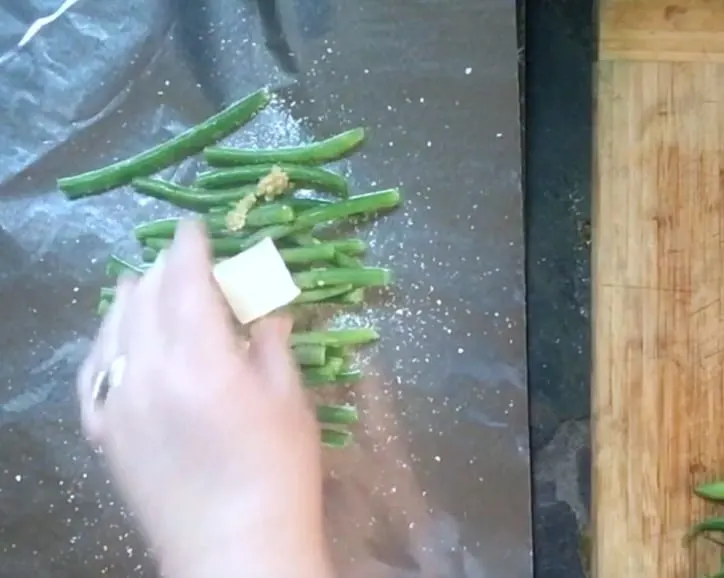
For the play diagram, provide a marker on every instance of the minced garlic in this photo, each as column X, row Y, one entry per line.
column 273, row 184
column 236, row 217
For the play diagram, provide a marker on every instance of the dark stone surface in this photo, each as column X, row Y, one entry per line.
column 559, row 37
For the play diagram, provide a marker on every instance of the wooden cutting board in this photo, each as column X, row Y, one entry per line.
column 658, row 400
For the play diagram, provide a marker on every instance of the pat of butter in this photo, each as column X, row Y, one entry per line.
column 256, row 282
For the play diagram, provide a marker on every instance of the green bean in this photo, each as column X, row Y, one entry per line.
column 342, row 259
column 103, row 306
column 336, row 337
column 345, row 352
column 337, row 414
column 190, row 198
column 165, row 154
column 360, row 204
column 149, row 254
column 301, row 176
column 348, row 377
column 311, row 355
column 318, row 375
column 305, row 255
column 334, row 438
column 317, row 295
column 107, row 293
column 117, row 266
column 359, row 277
column 354, row 297
column 306, row 203
column 708, row 525
column 233, row 245
column 713, row 491
column 316, row 153
column 347, row 246
column 261, row 216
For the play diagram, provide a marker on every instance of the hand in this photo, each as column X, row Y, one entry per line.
column 210, row 439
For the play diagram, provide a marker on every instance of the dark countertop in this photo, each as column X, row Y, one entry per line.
column 559, row 42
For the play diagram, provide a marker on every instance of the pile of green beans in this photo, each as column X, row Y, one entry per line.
column 328, row 271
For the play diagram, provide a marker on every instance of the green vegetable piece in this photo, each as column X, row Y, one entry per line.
column 352, row 298
column 708, row 525
column 359, row 277
column 261, row 216
column 317, row 153
column 117, row 267
column 108, row 293
column 301, row 177
column 336, row 337
column 336, row 439
column 344, row 260
column 317, row 295
column 314, row 376
column 306, row 203
column 168, row 153
column 298, row 255
column 349, row 377
column 103, row 306
column 713, row 491
column 346, row 246
column 337, row 414
column 311, row 355
column 345, row 352
column 190, row 198
column 361, row 204
column 149, row 254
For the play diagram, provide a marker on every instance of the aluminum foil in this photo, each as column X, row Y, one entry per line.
column 438, row 484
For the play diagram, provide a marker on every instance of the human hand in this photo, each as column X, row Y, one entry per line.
column 211, row 442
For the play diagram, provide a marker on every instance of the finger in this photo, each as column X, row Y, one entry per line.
column 144, row 331
column 271, row 354
column 106, row 348
column 193, row 304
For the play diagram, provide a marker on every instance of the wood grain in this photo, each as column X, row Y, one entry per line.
column 662, row 30
column 658, row 395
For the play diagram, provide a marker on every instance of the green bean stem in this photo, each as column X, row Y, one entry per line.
column 337, row 414
column 301, row 176
column 316, row 153
column 336, row 337
column 310, row 354
column 193, row 199
column 165, row 154
column 359, row 277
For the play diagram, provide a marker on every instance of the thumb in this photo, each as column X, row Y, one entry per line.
column 271, row 354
